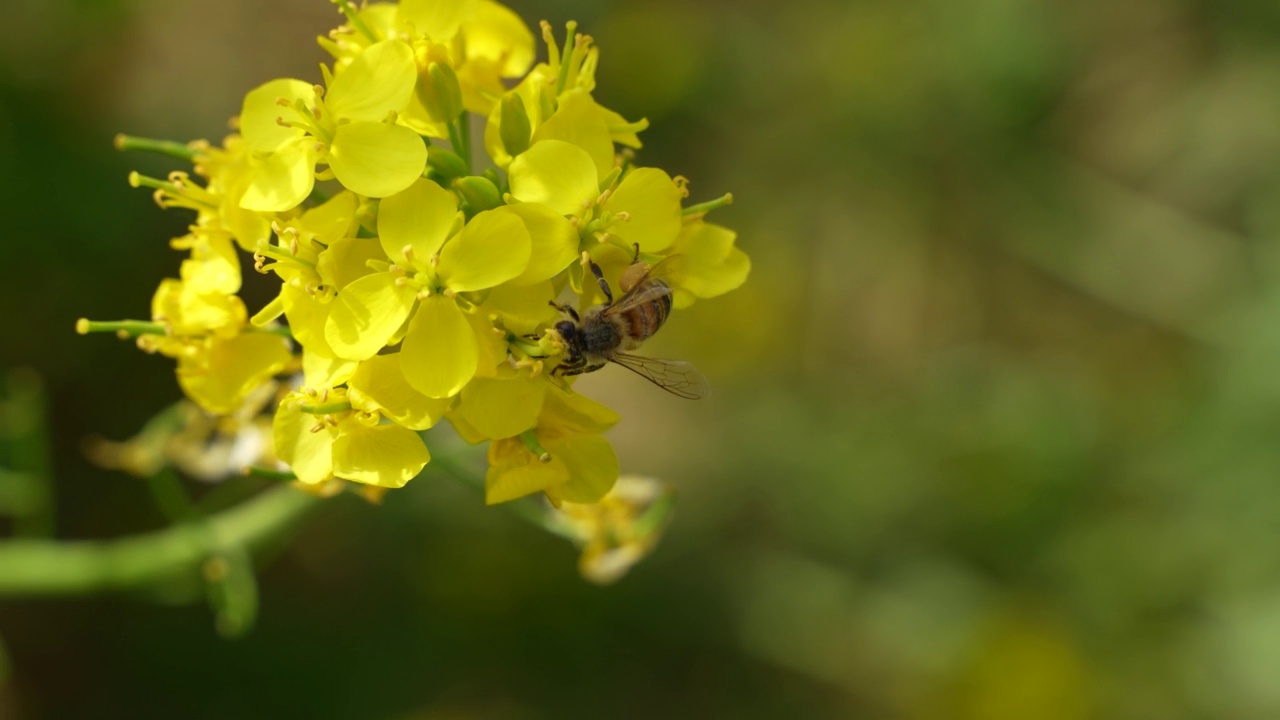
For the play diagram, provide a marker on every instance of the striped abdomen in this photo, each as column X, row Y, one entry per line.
column 643, row 320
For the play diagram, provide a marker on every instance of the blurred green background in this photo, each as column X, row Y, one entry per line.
column 995, row 425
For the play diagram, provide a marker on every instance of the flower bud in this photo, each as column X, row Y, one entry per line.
column 515, row 129
column 445, row 162
column 478, row 192
column 440, row 93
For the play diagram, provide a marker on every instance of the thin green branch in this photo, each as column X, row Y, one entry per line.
column 31, row 568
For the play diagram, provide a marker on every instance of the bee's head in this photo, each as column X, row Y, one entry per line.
column 562, row 339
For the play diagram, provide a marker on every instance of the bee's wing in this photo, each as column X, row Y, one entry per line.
column 675, row 376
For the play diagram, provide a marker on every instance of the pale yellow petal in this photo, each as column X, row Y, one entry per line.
column 439, row 354
column 378, row 82
column 283, row 179
column 493, row 248
column 376, row 159
column 379, row 384
column 557, row 174
column 553, row 239
column 418, row 217
column 503, row 406
column 366, row 314
column 383, row 455
column 260, row 111
column 580, row 121
column 308, row 454
column 652, row 200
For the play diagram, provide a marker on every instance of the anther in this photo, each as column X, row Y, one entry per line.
column 284, row 102
column 407, row 251
column 282, row 122
column 622, row 215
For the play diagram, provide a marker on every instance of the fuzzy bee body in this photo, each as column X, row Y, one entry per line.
column 604, row 333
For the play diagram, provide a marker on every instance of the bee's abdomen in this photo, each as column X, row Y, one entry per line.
column 647, row 318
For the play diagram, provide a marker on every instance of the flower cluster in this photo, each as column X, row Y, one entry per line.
column 419, row 263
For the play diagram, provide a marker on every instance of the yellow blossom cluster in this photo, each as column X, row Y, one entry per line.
column 423, row 268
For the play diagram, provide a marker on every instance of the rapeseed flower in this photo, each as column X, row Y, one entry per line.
column 421, row 276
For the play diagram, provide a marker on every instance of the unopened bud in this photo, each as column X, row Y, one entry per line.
column 445, row 162
column 515, row 128
column 440, row 93
column 478, row 192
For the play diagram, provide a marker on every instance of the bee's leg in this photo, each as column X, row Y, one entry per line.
column 635, row 258
column 604, row 285
column 573, row 367
column 566, row 310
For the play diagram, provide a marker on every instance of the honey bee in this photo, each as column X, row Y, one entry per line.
column 604, row 333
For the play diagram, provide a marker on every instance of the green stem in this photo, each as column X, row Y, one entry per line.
column 30, row 568
column 164, row 147
column 708, row 206
column 134, row 328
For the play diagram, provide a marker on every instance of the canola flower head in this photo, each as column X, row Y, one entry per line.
column 415, row 285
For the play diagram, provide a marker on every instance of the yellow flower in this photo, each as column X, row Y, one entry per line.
column 291, row 125
column 709, row 265
column 554, row 102
column 433, row 262
column 643, row 209
column 621, row 529
column 330, row 434
column 564, row 455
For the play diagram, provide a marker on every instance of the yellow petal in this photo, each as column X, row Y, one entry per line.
column 307, row 317
column 439, row 354
column 419, row 217
column 384, row 455
column 379, row 384
column 710, row 264
column 499, row 35
column 515, row 472
column 378, row 82
column 322, row 371
column 493, row 248
column 576, row 414
column 592, row 465
column 344, row 261
column 504, row 406
column 282, row 180
column 652, row 200
column 491, row 347
column 522, row 308
column 580, row 121
column 376, row 159
column 557, row 174
column 554, row 241
column 366, row 314
column 258, row 115
column 220, row 376
column 437, row 19
column 332, row 219
column 309, row 454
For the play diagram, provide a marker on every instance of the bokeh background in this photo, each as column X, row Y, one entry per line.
column 996, row 418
